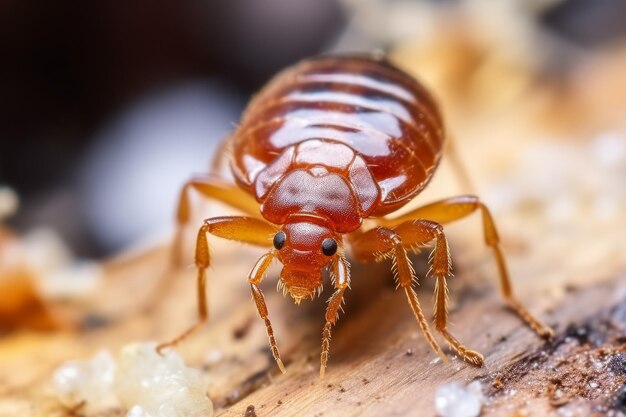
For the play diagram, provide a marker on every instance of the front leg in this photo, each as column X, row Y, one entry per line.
column 341, row 281
column 455, row 208
column 256, row 276
column 412, row 234
column 380, row 243
column 419, row 232
column 241, row 229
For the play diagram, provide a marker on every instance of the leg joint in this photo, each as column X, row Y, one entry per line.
column 389, row 236
column 437, row 228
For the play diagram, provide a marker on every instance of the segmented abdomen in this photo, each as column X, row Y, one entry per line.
column 384, row 114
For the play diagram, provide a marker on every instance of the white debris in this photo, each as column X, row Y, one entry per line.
column 456, row 400
column 89, row 381
column 142, row 381
column 163, row 386
column 435, row 361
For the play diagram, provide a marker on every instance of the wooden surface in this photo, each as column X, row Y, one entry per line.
column 380, row 364
column 568, row 265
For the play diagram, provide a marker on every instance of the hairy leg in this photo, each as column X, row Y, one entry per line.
column 451, row 209
column 441, row 324
column 341, row 281
column 256, row 277
column 382, row 242
column 416, row 233
column 419, row 232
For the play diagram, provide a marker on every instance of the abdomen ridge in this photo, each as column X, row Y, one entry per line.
column 381, row 113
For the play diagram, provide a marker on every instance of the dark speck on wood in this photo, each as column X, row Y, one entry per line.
column 617, row 364
column 250, row 412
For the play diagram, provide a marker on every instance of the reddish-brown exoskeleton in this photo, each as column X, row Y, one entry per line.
column 329, row 142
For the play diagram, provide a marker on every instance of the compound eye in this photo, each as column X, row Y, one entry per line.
column 329, row 246
column 279, row 239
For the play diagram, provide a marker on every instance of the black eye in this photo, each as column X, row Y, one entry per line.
column 329, row 246
column 279, row 239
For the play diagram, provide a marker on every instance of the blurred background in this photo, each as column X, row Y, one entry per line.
column 108, row 106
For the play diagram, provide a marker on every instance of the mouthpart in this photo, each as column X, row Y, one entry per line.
column 301, row 284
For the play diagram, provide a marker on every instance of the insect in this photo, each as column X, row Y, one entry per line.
column 326, row 144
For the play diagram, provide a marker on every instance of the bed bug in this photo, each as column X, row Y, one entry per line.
column 326, row 144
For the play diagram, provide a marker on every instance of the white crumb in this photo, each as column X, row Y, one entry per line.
column 456, row 400
column 435, row 361
column 163, row 386
column 89, row 381
column 141, row 381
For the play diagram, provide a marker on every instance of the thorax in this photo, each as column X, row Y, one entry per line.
column 322, row 179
